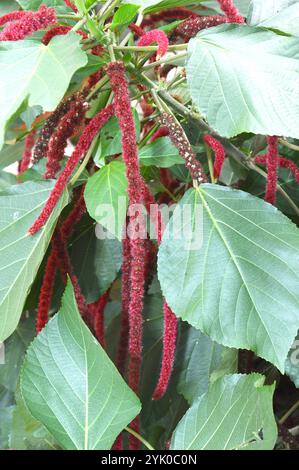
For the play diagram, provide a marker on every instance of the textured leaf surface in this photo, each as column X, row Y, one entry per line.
column 241, row 287
column 161, row 153
column 106, row 197
column 235, row 414
column 278, row 14
column 71, row 386
column 21, row 255
column 30, row 70
column 253, row 92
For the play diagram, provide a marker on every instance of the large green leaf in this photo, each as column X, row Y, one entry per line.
column 199, row 359
column 7, row 6
column 278, row 14
column 35, row 4
column 10, row 154
column 253, row 92
column 161, row 153
column 106, row 197
column 37, row 73
column 21, row 255
column 235, row 414
column 241, row 285
column 96, row 262
column 71, row 386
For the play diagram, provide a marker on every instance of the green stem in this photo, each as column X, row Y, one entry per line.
column 68, row 17
column 97, row 87
column 176, row 47
column 289, row 145
column 167, row 60
column 140, row 438
column 288, row 413
column 84, row 162
column 105, row 13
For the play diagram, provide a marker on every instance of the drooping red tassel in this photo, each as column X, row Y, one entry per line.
column 158, row 36
column 97, row 310
column 230, row 10
column 28, row 24
column 283, row 163
column 83, row 145
column 64, row 131
column 219, row 151
column 123, row 111
column 46, row 291
column 136, row 29
column 59, row 31
column 272, row 167
column 189, row 28
column 125, row 301
column 12, row 16
column 169, row 343
column 70, row 4
column 27, row 154
column 179, row 13
column 181, row 142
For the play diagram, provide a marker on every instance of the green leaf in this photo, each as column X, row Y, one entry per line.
column 7, row 180
column 15, row 348
column 110, row 137
column 199, row 358
column 292, row 363
column 106, row 197
column 96, row 262
column 124, row 15
column 238, row 93
column 235, row 414
column 8, row 6
column 71, row 386
column 11, row 154
column 30, row 70
column 230, row 270
column 282, row 15
column 21, row 255
column 35, row 4
column 161, row 153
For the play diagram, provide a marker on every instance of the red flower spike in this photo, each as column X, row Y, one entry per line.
column 137, row 29
column 169, row 343
column 65, row 130
column 219, row 151
column 70, row 4
column 28, row 24
column 118, row 443
column 272, row 166
column 189, row 28
column 158, row 36
column 12, row 16
column 283, row 163
column 27, row 154
column 125, row 296
column 59, row 31
column 46, row 292
column 83, row 145
column 179, row 13
column 231, row 11
column 97, row 309
column 161, row 132
column 74, row 216
column 179, row 139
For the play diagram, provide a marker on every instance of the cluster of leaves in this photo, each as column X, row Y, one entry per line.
column 235, row 297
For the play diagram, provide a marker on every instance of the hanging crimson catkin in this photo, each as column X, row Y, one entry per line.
column 82, row 147
column 27, row 154
column 97, row 311
column 64, row 131
column 189, row 28
column 282, row 163
column 230, row 10
column 219, row 151
column 179, row 139
column 158, row 36
column 125, row 300
column 28, row 24
column 119, row 85
column 272, row 170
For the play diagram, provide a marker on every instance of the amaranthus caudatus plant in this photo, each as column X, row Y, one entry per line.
column 149, row 286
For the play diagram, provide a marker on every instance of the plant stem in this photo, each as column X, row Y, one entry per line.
column 168, row 60
column 97, row 87
column 289, row 145
column 69, row 17
column 140, row 438
column 176, row 47
column 84, row 162
column 107, row 10
column 288, row 413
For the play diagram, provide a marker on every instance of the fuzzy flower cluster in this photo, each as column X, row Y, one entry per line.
column 179, row 13
column 28, row 23
column 272, row 167
column 158, row 36
column 27, row 154
column 282, row 163
column 230, row 10
column 189, row 28
column 64, row 131
column 70, row 4
column 181, row 142
column 217, row 147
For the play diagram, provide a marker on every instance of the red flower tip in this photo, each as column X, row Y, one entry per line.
column 161, row 132
column 27, row 154
column 189, row 28
column 12, row 16
column 137, row 29
column 219, row 153
column 70, row 4
column 169, row 343
column 28, row 24
column 228, row 7
column 272, row 166
column 158, row 36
